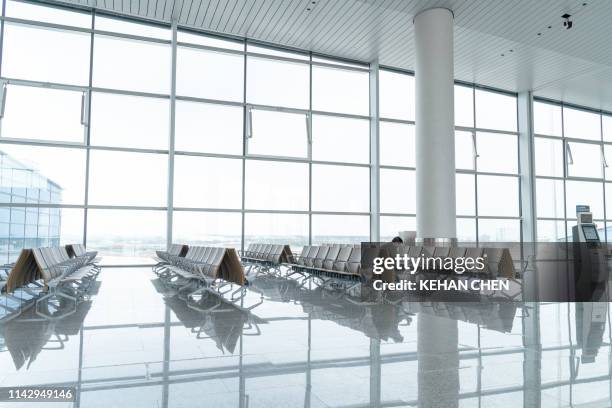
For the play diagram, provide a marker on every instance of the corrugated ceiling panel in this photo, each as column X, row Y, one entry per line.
column 288, row 21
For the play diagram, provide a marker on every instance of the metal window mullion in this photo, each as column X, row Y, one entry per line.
column 305, row 61
column 127, row 149
column 543, row 136
column 604, row 166
column 43, row 205
column 402, row 121
column 493, row 217
column 374, row 96
column 273, row 108
column 339, row 114
column 530, row 175
column 583, row 141
column 47, row 25
column 88, row 134
column 126, row 207
column 475, row 162
column 391, row 167
column 131, row 93
column 310, row 151
column 455, row 82
column 485, row 130
column 209, row 48
column 72, row 145
column 572, row 105
column 285, row 109
column 2, row 35
column 187, row 98
column 529, row 166
column 244, row 146
column 389, row 214
column 586, row 179
column 46, row 85
column 277, row 58
column 558, row 178
column 294, row 212
column 81, row 88
column 115, row 34
column 171, row 141
column 36, row 142
column 550, row 219
column 565, row 172
column 207, row 209
column 3, row 96
column 565, row 147
column 132, row 37
column 255, row 157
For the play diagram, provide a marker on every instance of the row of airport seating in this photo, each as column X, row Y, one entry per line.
column 4, row 271
column 334, row 261
column 53, row 266
column 272, row 254
column 203, row 271
column 344, row 260
column 203, row 264
column 497, row 261
column 163, row 258
column 78, row 250
column 53, row 272
column 187, row 267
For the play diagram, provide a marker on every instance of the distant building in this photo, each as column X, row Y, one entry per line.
column 26, row 227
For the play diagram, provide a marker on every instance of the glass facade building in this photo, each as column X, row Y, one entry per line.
column 36, row 225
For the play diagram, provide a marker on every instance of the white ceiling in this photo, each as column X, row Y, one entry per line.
column 571, row 65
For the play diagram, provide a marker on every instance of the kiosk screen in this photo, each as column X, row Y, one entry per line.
column 590, row 233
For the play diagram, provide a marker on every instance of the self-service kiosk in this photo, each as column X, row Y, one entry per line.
column 591, row 280
column 585, row 231
column 590, row 258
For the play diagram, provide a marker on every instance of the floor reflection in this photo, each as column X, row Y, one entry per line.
column 28, row 335
column 224, row 324
column 143, row 344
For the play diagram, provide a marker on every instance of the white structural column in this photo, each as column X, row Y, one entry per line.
column 435, row 140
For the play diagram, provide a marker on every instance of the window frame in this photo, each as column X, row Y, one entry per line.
column 475, row 170
column 568, row 216
column 312, row 60
column 84, row 113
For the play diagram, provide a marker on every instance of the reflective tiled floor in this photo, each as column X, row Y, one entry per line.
column 137, row 344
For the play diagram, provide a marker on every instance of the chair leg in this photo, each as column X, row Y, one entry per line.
column 57, row 294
